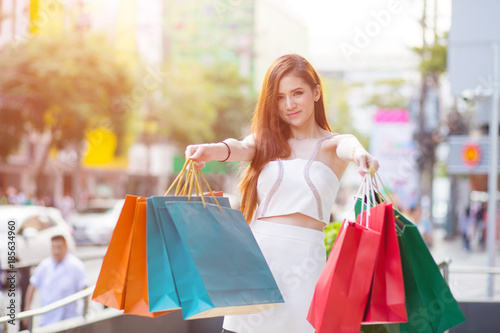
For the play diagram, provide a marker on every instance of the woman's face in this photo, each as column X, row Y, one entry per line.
column 296, row 100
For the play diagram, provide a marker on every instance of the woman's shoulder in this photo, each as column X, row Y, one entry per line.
column 333, row 138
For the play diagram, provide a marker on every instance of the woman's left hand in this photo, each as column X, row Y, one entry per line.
column 364, row 160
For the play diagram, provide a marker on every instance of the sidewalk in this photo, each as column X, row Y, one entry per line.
column 465, row 286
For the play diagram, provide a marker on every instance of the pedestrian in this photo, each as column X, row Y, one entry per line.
column 466, row 222
column 481, row 224
column 423, row 224
column 66, row 205
column 57, row 277
column 289, row 187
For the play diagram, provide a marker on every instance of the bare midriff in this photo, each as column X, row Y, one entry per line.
column 296, row 219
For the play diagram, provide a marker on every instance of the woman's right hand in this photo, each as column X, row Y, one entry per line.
column 199, row 153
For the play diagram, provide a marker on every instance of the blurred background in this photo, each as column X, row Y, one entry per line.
column 98, row 99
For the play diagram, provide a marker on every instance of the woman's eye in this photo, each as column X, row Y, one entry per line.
column 298, row 93
column 280, row 98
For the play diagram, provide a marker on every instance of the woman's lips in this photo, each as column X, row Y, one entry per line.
column 293, row 114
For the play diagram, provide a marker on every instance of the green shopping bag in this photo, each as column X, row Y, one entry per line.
column 431, row 306
column 429, row 303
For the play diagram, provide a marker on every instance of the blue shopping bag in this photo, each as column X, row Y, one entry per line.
column 161, row 286
column 217, row 265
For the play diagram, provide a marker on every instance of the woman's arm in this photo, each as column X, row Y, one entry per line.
column 349, row 149
column 235, row 150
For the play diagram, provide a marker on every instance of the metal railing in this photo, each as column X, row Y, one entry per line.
column 445, row 268
column 475, row 270
column 24, row 267
column 29, row 314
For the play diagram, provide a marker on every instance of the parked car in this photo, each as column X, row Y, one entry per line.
column 95, row 224
column 34, row 227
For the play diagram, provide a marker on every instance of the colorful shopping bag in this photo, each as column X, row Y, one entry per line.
column 386, row 303
column 341, row 293
column 110, row 286
column 429, row 303
column 136, row 286
column 217, row 264
column 162, row 291
column 122, row 281
column 380, row 328
column 431, row 306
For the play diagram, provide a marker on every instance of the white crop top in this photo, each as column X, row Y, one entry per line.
column 301, row 186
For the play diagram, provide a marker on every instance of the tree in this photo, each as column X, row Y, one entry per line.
column 392, row 98
column 335, row 91
column 432, row 66
column 67, row 83
column 11, row 125
column 201, row 103
column 229, row 93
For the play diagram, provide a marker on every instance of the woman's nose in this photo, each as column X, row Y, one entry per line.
column 289, row 103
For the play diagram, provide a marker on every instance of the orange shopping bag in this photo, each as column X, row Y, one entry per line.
column 110, row 286
column 122, row 281
column 136, row 287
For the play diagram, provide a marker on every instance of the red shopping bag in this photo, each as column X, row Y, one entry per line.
column 386, row 303
column 341, row 293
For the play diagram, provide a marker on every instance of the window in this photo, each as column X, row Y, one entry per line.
column 37, row 222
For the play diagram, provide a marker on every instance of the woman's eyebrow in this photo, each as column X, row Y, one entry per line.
column 293, row 90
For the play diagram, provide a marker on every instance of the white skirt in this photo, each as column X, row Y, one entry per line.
column 296, row 257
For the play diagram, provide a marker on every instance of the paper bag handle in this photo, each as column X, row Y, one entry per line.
column 192, row 179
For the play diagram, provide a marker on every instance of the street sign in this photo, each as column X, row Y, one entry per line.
column 471, row 154
column 468, row 155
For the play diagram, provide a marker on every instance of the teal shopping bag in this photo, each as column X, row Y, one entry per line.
column 161, row 286
column 217, row 264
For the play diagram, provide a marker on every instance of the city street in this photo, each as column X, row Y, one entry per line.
column 283, row 105
column 464, row 286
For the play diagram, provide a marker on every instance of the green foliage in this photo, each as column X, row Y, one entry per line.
column 184, row 113
column 331, row 232
column 230, row 97
column 68, row 83
column 202, row 103
column 391, row 98
column 433, row 57
column 337, row 107
column 11, row 124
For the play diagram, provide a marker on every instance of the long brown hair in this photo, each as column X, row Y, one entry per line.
column 270, row 132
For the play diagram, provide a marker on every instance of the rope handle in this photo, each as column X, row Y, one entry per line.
column 369, row 195
column 189, row 178
column 374, row 177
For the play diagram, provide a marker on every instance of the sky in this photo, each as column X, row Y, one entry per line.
column 334, row 26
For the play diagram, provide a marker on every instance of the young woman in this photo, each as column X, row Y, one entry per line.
column 289, row 187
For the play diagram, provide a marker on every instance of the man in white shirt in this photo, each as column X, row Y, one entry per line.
column 56, row 277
